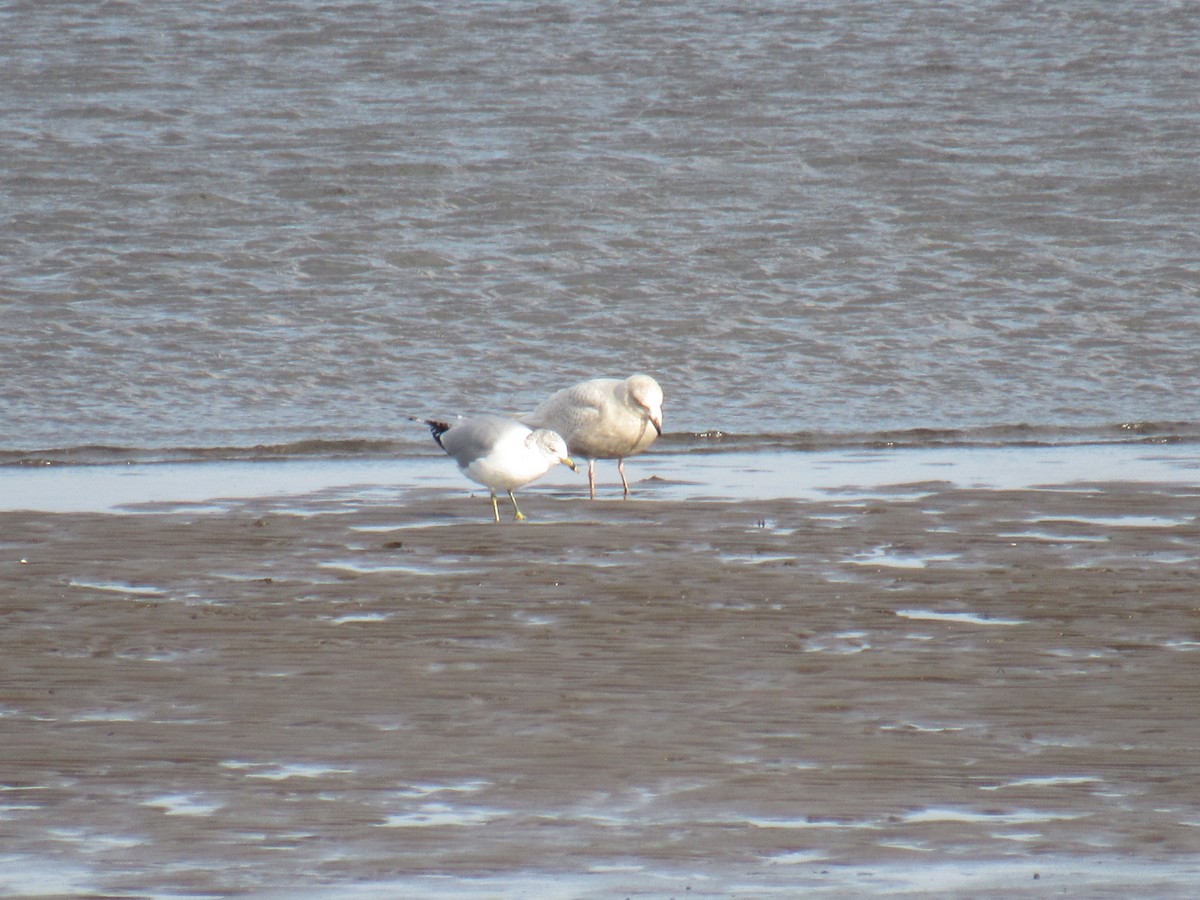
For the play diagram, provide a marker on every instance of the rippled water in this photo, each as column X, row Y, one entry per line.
column 234, row 225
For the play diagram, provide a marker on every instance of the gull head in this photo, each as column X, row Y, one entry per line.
column 645, row 393
column 552, row 444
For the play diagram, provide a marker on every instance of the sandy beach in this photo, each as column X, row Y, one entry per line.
column 978, row 692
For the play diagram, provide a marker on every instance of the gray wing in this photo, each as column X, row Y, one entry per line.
column 473, row 439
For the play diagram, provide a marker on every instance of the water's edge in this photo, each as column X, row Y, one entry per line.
column 729, row 475
column 416, row 444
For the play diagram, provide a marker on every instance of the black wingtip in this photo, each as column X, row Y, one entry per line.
column 436, row 428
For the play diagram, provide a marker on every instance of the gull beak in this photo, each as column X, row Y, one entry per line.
column 570, row 463
column 656, row 421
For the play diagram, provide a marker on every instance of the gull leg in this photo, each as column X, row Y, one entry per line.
column 624, row 483
column 495, row 508
column 520, row 515
column 592, row 478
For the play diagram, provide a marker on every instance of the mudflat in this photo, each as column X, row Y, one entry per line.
column 974, row 692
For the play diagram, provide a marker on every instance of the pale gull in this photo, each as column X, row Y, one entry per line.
column 605, row 418
column 500, row 453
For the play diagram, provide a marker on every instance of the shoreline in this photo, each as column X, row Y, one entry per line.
column 710, row 476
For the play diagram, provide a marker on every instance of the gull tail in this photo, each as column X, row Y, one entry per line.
column 436, row 428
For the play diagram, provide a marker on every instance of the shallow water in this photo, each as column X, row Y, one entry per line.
column 731, row 475
column 234, row 224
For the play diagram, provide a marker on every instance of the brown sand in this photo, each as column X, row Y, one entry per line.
column 973, row 692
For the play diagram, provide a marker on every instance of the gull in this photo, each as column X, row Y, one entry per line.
column 605, row 418
column 500, row 453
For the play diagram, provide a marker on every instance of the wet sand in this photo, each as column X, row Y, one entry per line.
column 977, row 692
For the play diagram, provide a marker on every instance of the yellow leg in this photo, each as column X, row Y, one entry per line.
column 519, row 515
column 495, row 508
